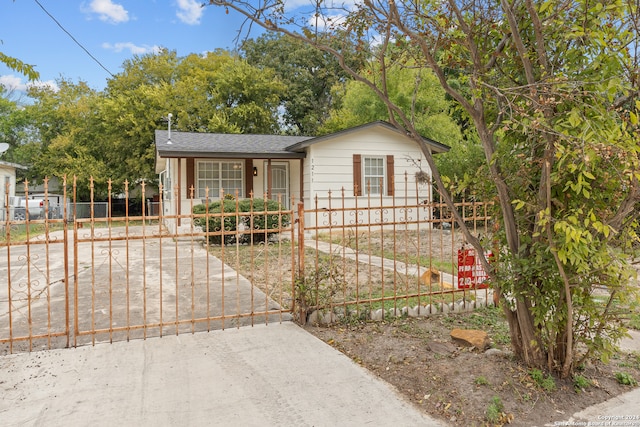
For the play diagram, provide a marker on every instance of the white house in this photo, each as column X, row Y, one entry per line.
column 7, row 186
column 366, row 165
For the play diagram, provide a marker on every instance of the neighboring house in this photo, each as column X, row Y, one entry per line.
column 7, row 186
column 369, row 162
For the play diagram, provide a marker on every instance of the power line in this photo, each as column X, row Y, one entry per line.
column 73, row 38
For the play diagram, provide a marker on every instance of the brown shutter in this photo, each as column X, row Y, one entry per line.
column 248, row 178
column 357, row 175
column 390, row 176
column 191, row 177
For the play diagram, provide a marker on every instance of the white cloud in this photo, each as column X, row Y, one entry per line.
column 324, row 22
column 190, row 11
column 108, row 11
column 134, row 49
column 327, row 5
column 14, row 83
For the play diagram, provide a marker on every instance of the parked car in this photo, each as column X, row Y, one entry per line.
column 22, row 205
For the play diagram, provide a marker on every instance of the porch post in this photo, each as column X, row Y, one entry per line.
column 178, row 192
column 269, row 181
column 301, row 198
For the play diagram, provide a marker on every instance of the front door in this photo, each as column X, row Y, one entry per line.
column 279, row 182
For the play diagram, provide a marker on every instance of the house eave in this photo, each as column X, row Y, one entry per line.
column 164, row 154
column 436, row 147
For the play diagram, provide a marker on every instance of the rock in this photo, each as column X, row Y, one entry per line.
column 431, row 275
column 493, row 352
column 377, row 315
column 441, row 348
column 329, row 318
column 314, row 317
column 471, row 338
column 395, row 312
column 445, row 308
column 425, row 310
column 414, row 311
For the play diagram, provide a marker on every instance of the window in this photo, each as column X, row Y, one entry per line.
column 216, row 175
column 373, row 175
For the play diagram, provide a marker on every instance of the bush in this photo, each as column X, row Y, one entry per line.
column 248, row 216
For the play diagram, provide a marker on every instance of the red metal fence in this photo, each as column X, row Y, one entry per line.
column 70, row 278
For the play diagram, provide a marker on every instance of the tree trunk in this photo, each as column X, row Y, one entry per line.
column 524, row 338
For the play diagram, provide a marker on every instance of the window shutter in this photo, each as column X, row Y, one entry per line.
column 191, row 176
column 390, row 176
column 248, row 177
column 357, row 175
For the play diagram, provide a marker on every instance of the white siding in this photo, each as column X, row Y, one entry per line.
column 7, row 173
column 329, row 168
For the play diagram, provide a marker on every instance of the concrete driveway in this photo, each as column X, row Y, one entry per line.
column 275, row 375
column 125, row 286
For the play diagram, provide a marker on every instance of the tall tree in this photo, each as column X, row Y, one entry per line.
column 67, row 138
column 551, row 89
column 418, row 92
column 309, row 75
column 215, row 92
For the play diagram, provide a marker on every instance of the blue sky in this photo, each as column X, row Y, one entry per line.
column 111, row 30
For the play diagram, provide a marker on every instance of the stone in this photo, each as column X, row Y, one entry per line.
column 471, row 338
column 395, row 312
column 314, row 318
column 493, row 352
column 329, row 318
column 431, row 275
column 377, row 315
column 444, row 308
column 414, row 311
column 425, row 310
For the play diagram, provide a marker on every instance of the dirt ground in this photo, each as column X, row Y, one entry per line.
column 463, row 386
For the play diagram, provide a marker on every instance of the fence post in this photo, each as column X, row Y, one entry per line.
column 302, row 316
column 300, row 239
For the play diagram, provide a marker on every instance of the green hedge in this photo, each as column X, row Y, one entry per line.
column 249, row 217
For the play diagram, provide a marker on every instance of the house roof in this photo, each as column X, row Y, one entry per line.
column 194, row 144
column 436, row 147
column 12, row 165
column 219, row 145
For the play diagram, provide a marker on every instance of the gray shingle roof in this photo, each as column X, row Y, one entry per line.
column 194, row 144
column 218, row 145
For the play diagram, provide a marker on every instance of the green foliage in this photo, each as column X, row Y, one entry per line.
column 244, row 221
column 76, row 131
column 481, row 380
column 580, row 383
column 626, row 379
column 308, row 74
column 360, row 105
column 320, row 284
column 19, row 66
column 494, row 410
column 546, row 383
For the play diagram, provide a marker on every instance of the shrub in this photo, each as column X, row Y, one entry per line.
column 213, row 222
column 626, row 379
column 247, row 216
column 546, row 383
column 494, row 410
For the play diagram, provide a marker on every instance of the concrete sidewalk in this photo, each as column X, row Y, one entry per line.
column 622, row 410
column 275, row 375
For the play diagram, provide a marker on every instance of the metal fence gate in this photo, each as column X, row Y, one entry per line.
column 73, row 273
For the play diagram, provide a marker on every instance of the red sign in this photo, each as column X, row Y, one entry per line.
column 471, row 274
